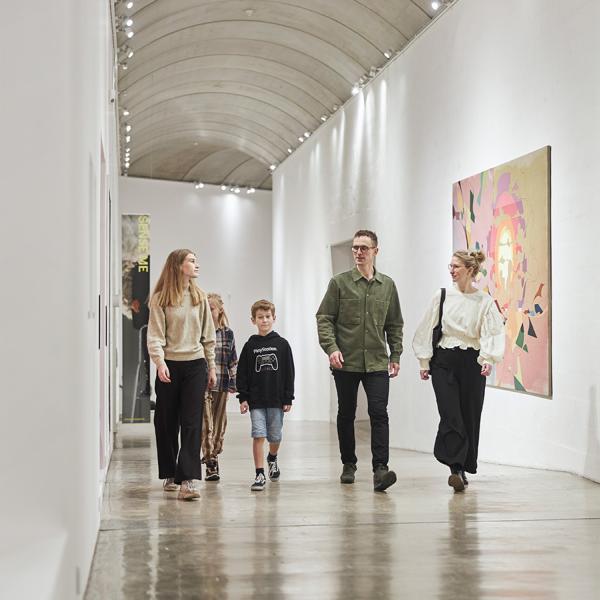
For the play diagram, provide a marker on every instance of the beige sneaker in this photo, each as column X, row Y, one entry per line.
column 169, row 485
column 188, row 491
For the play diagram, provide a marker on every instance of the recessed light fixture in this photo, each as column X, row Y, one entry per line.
column 355, row 89
column 198, row 185
column 127, row 139
column 300, row 139
column 127, row 128
column 129, row 5
column 128, row 22
column 435, row 5
column 223, row 188
column 388, row 54
column 323, row 118
column 272, row 167
column 307, row 134
column 130, row 54
column 130, row 34
column 125, row 113
column 290, row 150
column 250, row 190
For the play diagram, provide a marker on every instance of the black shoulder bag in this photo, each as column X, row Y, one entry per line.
column 436, row 336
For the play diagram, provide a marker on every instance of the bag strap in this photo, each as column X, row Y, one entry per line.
column 441, row 311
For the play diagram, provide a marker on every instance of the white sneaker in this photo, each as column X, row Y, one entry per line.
column 188, row 491
column 259, row 483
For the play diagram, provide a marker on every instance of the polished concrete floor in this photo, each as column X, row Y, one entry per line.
column 515, row 533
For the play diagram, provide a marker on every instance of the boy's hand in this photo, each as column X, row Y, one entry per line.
column 244, row 407
column 287, row 407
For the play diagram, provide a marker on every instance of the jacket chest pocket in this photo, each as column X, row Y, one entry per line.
column 379, row 309
column 349, row 313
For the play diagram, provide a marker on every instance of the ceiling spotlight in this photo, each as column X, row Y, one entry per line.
column 125, row 113
column 127, row 139
column 236, row 190
column 198, row 185
column 307, row 134
column 127, row 149
column 130, row 54
column 388, row 54
column 130, row 34
column 128, row 22
column 290, row 150
column 250, row 190
column 127, row 128
column 300, row 139
column 435, row 5
column 129, row 5
column 124, row 66
column 223, row 188
column 355, row 89
column 272, row 167
column 323, row 118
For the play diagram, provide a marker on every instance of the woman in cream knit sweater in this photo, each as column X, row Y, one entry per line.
column 181, row 343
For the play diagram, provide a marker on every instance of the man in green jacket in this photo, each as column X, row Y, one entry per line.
column 358, row 319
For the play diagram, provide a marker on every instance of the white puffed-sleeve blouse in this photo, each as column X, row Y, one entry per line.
column 469, row 321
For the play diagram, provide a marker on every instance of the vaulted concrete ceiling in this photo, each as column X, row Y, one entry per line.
column 219, row 90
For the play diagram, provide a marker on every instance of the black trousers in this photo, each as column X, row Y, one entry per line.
column 377, row 387
column 459, row 390
column 178, row 411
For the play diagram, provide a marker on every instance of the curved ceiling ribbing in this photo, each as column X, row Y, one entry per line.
column 218, row 90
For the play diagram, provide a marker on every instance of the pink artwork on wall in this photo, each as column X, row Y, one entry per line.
column 505, row 212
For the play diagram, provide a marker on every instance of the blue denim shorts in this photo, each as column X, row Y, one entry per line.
column 267, row 422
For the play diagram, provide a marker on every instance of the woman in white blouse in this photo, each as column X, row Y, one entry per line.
column 472, row 341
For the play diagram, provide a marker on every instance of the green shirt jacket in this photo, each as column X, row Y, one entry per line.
column 358, row 317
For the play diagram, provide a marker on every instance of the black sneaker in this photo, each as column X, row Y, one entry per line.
column 348, row 472
column 212, row 470
column 383, row 478
column 274, row 471
column 259, row 483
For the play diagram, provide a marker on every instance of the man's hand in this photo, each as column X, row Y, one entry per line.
column 336, row 360
column 212, row 378
column 424, row 374
column 163, row 373
column 486, row 369
column 287, row 407
column 394, row 369
column 244, row 407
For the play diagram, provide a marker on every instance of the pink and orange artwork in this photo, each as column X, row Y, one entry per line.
column 505, row 212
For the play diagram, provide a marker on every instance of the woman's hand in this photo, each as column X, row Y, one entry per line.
column 424, row 374
column 486, row 369
column 163, row 373
column 244, row 407
column 287, row 407
column 212, row 378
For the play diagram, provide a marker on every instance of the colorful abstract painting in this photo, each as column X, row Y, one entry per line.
column 505, row 212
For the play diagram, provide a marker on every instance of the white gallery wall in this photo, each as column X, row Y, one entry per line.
column 489, row 81
column 230, row 233
column 58, row 160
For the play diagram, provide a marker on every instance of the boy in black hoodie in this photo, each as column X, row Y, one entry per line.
column 265, row 385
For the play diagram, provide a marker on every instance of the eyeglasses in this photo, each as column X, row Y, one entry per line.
column 454, row 267
column 362, row 249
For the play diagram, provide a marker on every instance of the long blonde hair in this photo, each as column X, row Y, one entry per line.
column 169, row 288
column 222, row 320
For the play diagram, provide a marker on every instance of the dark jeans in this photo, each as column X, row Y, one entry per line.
column 179, row 407
column 459, row 390
column 376, row 386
